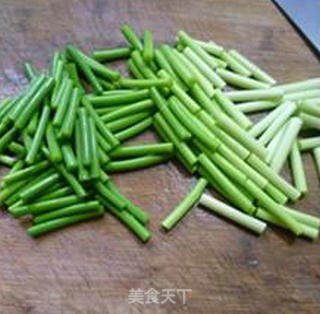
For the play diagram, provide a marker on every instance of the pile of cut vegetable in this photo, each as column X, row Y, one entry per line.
column 66, row 132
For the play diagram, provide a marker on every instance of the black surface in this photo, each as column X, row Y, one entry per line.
column 305, row 15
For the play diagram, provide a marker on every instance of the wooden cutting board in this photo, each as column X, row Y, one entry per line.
column 90, row 268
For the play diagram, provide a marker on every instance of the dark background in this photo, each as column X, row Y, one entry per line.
column 91, row 267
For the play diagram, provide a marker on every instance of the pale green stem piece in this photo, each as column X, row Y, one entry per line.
column 305, row 144
column 273, row 177
column 304, row 218
column 312, row 101
column 224, row 137
column 234, row 64
column 276, row 125
column 306, row 94
column 256, row 94
column 273, row 145
column 232, row 111
column 210, row 47
column 233, row 214
column 186, row 76
column 300, row 86
column 181, row 94
column 143, row 83
column 289, row 136
column 316, row 153
column 221, row 64
column 310, row 121
column 310, row 108
column 265, row 201
column 263, row 124
column 298, row 174
column 204, row 68
column 252, row 174
column 307, row 231
column 233, row 129
column 188, row 41
column 257, row 106
column 276, row 194
column 256, row 71
column 201, row 79
column 165, row 65
column 240, row 81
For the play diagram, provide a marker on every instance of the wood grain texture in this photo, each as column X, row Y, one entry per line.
column 91, row 267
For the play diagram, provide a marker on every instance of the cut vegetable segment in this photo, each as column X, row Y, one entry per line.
column 286, row 143
column 257, row 94
column 239, row 80
column 148, row 46
column 85, row 69
column 263, row 124
column 256, row 71
column 77, row 209
column 70, row 116
column 276, row 125
column 111, row 54
column 141, row 150
column 308, row 143
column 185, row 205
column 307, row 231
column 256, row 106
column 298, row 173
column 234, row 64
column 204, row 68
column 225, row 210
column 55, row 224
column 131, row 37
column 210, row 47
column 134, row 130
column 135, row 163
column 188, row 41
column 232, row 110
column 185, row 75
